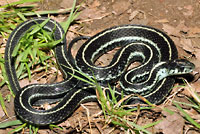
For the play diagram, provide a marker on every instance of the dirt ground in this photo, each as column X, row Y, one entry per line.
column 180, row 19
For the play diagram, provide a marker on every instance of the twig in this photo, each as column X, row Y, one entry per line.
column 171, row 97
column 88, row 114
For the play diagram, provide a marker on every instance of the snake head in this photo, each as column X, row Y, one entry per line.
column 173, row 67
column 180, row 66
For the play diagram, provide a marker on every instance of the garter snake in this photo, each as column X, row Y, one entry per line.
column 152, row 79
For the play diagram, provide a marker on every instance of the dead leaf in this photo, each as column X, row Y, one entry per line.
column 66, row 3
column 193, row 32
column 120, row 6
column 44, row 131
column 196, row 61
column 191, row 131
column 26, row 81
column 186, row 44
column 51, row 78
column 1, row 40
column 140, row 21
column 196, row 86
column 197, row 53
column 193, row 113
column 189, row 11
column 95, row 4
column 176, row 31
column 2, row 50
column 10, row 107
column 133, row 14
column 162, row 21
column 91, row 13
column 3, row 131
column 182, row 27
column 170, row 30
column 172, row 124
column 4, row 2
column 1, row 112
column 42, row 80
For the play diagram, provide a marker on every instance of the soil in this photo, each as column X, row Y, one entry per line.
column 180, row 19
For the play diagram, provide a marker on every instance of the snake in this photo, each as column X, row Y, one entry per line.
column 153, row 78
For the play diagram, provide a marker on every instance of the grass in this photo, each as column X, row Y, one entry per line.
column 12, row 16
column 36, row 54
column 194, row 104
column 114, row 107
column 30, row 52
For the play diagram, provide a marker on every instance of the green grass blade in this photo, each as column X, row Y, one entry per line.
column 66, row 24
column 42, row 55
column 168, row 110
column 18, row 2
column 33, row 129
column 187, row 104
column 39, row 26
column 20, row 70
column 21, row 16
column 10, row 123
column 137, row 127
column 3, row 74
column 30, row 129
column 82, row 79
column 75, row 16
column 83, row 74
column 18, row 128
column 48, row 12
column 152, row 124
column 16, row 49
column 187, row 116
column 117, row 123
column 49, row 44
column 28, row 71
column 112, row 91
column 3, row 104
column 52, row 126
column 2, row 82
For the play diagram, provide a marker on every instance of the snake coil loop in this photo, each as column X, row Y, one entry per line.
column 152, row 79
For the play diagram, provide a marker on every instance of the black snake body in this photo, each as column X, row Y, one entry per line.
column 153, row 48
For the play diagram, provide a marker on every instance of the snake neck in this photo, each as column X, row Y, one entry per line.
column 160, row 71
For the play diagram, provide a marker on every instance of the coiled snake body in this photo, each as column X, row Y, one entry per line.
column 152, row 79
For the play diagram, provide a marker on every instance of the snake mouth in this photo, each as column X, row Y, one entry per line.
column 190, row 68
column 180, row 66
